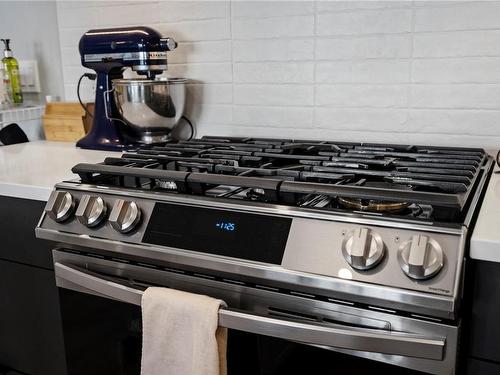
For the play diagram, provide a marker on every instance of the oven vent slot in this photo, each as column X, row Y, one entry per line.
column 389, row 311
column 203, row 276
column 231, row 281
column 173, row 270
column 348, row 303
column 431, row 319
column 269, row 288
column 284, row 313
column 299, row 294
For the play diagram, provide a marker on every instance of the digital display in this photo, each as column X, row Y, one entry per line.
column 226, row 226
column 236, row 234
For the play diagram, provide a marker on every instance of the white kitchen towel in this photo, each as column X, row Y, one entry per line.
column 181, row 335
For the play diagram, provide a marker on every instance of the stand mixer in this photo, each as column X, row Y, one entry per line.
column 129, row 112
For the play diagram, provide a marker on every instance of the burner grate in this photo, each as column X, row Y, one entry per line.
column 293, row 172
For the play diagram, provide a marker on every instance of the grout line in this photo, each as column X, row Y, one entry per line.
column 409, row 91
column 232, row 53
column 315, row 32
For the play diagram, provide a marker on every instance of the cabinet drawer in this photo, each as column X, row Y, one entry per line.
column 31, row 339
column 18, row 243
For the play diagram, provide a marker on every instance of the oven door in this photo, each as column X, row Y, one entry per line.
column 271, row 331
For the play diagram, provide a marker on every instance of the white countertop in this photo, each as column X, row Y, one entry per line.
column 30, row 170
column 485, row 240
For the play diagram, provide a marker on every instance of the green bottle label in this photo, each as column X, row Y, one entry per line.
column 12, row 70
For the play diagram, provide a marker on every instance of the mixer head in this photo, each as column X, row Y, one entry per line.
column 140, row 48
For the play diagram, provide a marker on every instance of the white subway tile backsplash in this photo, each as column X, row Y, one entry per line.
column 390, row 71
column 176, row 11
column 278, row 27
column 202, row 73
column 203, row 51
column 261, row 9
column 209, row 114
column 289, row 49
column 457, row 70
column 284, row 117
column 465, row 96
column 362, row 95
column 364, row 119
column 70, row 57
column 341, row 6
column 128, row 14
column 280, row 95
column 381, row 46
column 363, row 71
column 200, row 30
column 469, row 16
column 198, row 93
column 457, row 44
column 467, row 122
column 364, row 22
column 274, row 72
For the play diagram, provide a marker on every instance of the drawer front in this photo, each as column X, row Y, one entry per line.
column 19, row 218
column 31, row 339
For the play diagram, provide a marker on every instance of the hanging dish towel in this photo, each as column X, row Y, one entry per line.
column 181, row 334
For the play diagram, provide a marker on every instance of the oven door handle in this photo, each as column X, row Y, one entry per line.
column 333, row 335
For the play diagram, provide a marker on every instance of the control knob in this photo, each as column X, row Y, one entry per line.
column 91, row 211
column 125, row 216
column 363, row 249
column 421, row 257
column 60, row 206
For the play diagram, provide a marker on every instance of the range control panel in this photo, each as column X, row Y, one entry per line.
column 392, row 256
column 404, row 258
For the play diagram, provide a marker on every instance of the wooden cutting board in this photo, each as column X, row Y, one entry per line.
column 64, row 122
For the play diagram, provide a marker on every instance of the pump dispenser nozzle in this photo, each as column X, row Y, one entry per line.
column 7, row 52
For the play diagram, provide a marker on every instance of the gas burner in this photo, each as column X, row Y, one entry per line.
column 372, row 205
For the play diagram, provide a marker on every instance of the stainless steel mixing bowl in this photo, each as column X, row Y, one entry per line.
column 150, row 108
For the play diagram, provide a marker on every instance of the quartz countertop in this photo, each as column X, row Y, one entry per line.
column 30, row 170
column 485, row 240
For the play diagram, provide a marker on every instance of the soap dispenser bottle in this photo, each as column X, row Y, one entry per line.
column 5, row 96
column 12, row 71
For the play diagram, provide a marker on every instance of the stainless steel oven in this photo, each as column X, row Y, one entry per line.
column 329, row 255
column 272, row 331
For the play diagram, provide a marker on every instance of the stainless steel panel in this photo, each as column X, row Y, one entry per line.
column 313, row 249
column 428, row 337
column 316, row 246
column 269, row 275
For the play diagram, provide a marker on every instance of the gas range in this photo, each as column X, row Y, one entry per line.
column 375, row 231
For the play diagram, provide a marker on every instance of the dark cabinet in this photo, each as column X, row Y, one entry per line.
column 18, row 218
column 483, row 339
column 31, row 339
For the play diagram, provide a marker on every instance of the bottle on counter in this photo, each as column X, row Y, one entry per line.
column 11, row 67
column 4, row 89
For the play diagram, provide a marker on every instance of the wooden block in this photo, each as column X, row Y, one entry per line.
column 63, row 122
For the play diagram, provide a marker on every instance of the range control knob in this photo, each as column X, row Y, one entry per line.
column 91, row 211
column 363, row 249
column 125, row 216
column 421, row 257
column 60, row 206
